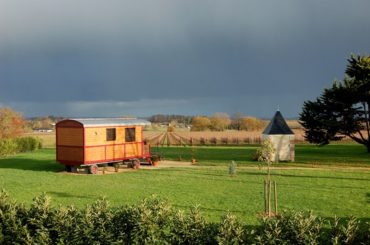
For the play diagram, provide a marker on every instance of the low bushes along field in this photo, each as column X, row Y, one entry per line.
column 154, row 221
column 17, row 145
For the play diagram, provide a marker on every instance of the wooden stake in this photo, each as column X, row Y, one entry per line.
column 269, row 198
column 265, row 194
column 276, row 201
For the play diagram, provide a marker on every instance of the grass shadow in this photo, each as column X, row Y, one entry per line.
column 216, row 210
column 30, row 164
column 68, row 195
column 303, row 176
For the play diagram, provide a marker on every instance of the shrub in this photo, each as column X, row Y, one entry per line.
column 96, row 223
column 8, row 147
column 13, row 217
column 224, row 141
column 24, row 144
column 235, row 141
column 291, row 228
column 265, row 153
column 231, row 231
column 345, row 232
column 247, row 140
column 191, row 228
column 154, row 221
column 213, row 140
column 39, row 218
column 151, row 222
column 232, row 168
column 202, row 141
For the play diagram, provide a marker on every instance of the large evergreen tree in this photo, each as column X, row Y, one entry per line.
column 343, row 109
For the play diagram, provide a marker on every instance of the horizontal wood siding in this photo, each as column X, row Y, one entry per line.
column 95, row 154
column 98, row 136
column 79, row 145
column 70, row 136
column 139, row 133
column 119, row 151
column 133, row 150
column 70, row 154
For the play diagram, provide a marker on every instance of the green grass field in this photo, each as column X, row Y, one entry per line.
column 328, row 192
column 340, row 155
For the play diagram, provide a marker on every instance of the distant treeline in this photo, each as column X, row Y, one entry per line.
column 217, row 122
column 167, row 119
column 46, row 122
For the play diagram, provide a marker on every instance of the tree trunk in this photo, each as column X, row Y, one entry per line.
column 368, row 147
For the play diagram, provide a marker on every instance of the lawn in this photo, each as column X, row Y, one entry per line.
column 328, row 192
column 339, row 155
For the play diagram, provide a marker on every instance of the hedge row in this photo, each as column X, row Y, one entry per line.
column 154, row 221
column 23, row 144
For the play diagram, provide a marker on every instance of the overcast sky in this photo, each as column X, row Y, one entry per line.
column 82, row 58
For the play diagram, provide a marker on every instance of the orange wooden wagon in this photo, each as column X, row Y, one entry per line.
column 92, row 141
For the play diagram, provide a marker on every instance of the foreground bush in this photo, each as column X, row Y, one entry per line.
column 154, row 221
column 23, row 144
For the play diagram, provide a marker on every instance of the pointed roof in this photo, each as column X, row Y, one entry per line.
column 278, row 125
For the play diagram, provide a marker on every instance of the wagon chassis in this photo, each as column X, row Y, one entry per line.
column 133, row 163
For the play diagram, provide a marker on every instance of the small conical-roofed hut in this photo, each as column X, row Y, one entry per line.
column 281, row 137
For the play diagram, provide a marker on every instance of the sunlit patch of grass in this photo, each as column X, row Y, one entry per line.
column 326, row 192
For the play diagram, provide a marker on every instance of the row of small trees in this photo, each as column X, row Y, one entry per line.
column 222, row 121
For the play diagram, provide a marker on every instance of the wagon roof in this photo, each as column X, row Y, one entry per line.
column 278, row 125
column 91, row 122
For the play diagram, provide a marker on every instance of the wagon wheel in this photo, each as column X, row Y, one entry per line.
column 116, row 166
column 136, row 163
column 149, row 160
column 68, row 168
column 93, row 169
column 74, row 169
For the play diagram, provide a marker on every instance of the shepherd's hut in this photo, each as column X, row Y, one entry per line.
column 281, row 137
column 92, row 141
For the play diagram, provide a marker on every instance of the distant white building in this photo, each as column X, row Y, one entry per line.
column 281, row 137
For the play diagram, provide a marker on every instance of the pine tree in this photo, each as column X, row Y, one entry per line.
column 343, row 109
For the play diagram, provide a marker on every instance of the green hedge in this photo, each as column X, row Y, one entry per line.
column 23, row 144
column 154, row 221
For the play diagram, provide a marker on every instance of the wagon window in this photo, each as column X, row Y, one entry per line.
column 111, row 134
column 130, row 134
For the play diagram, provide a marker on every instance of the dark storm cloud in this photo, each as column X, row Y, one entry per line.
column 143, row 57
